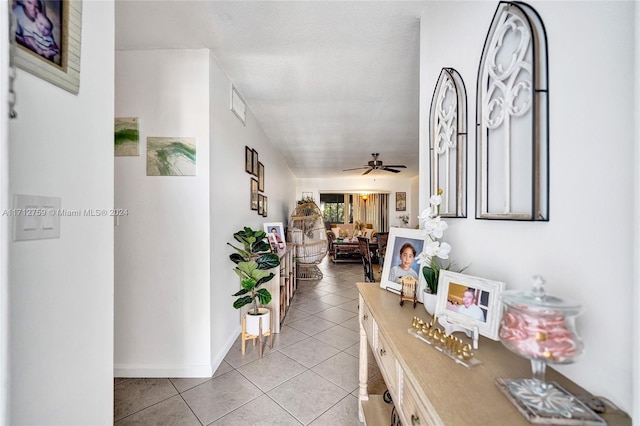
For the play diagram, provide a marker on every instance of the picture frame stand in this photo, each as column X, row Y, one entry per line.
column 452, row 327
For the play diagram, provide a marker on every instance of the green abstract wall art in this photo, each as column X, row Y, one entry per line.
column 171, row 156
column 126, row 137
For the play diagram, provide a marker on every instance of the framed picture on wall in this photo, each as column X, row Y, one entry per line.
column 126, row 137
column 260, row 204
column 54, row 56
column 401, row 201
column 254, row 194
column 260, row 177
column 264, row 207
column 248, row 160
column 254, row 162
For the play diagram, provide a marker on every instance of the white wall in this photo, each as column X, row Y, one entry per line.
column 4, row 223
column 585, row 251
column 61, row 290
column 368, row 183
column 162, row 245
column 174, row 313
column 230, row 202
column 635, row 340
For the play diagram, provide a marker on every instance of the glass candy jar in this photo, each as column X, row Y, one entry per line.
column 541, row 328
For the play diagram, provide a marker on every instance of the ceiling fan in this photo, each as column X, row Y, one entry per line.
column 375, row 164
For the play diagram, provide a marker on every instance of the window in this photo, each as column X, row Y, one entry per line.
column 332, row 206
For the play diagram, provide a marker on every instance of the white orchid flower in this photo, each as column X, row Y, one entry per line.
column 425, row 215
column 423, row 258
column 435, row 227
column 438, row 249
column 435, row 200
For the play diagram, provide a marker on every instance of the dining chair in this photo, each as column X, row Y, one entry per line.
column 365, row 252
column 382, row 238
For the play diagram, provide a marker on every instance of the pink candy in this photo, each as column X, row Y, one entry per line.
column 545, row 337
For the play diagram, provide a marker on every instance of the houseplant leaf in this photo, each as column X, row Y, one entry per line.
column 239, row 303
column 432, row 279
column 248, row 284
column 264, row 297
column 268, row 261
column 265, row 279
column 240, row 292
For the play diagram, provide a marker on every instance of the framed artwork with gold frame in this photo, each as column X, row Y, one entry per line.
column 55, row 57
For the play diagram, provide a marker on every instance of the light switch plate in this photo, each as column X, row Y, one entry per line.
column 35, row 217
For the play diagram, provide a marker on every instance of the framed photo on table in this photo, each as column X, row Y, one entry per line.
column 54, row 55
column 277, row 230
column 401, row 257
column 470, row 302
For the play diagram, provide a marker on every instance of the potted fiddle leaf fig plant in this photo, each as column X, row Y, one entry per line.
column 253, row 260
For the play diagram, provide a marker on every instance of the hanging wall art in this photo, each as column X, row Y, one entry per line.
column 512, row 116
column 448, row 143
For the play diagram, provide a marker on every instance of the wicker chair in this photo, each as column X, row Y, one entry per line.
column 308, row 233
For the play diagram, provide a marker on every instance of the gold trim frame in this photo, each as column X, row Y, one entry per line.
column 67, row 74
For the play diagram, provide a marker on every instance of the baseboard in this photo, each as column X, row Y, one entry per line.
column 182, row 371
column 218, row 357
column 156, row 371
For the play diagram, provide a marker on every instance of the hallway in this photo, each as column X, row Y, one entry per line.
column 309, row 377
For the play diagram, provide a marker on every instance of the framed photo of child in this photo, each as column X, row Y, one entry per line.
column 276, row 229
column 45, row 40
column 470, row 302
column 401, row 257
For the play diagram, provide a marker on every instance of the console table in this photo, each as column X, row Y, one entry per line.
column 426, row 386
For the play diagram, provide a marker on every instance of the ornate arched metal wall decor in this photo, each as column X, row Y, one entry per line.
column 448, row 143
column 512, row 116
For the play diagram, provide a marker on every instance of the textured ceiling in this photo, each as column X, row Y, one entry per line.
column 329, row 81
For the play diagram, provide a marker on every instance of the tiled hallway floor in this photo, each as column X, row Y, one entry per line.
column 309, row 377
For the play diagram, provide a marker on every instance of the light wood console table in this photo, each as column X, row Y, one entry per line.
column 426, row 386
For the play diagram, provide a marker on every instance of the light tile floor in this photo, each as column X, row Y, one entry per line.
column 309, row 377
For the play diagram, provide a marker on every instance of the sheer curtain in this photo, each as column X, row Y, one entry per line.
column 374, row 210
